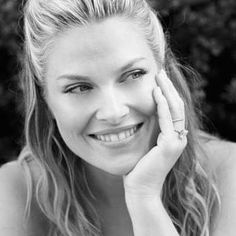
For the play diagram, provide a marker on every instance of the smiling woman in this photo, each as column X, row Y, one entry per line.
column 113, row 146
column 102, row 97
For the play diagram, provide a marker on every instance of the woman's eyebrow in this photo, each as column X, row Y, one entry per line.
column 73, row 77
column 83, row 78
column 131, row 63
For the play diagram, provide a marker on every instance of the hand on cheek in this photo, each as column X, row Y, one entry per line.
column 148, row 176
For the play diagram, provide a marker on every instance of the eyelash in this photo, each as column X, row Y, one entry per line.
column 88, row 86
column 139, row 72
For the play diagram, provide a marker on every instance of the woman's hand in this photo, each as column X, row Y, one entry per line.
column 147, row 178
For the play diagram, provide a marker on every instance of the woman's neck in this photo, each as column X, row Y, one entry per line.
column 108, row 189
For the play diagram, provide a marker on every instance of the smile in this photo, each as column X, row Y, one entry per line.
column 116, row 137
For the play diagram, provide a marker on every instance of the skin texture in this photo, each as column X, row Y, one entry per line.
column 112, row 98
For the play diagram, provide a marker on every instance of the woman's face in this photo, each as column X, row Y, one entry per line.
column 99, row 85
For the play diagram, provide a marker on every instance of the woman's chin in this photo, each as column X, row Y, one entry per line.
column 122, row 170
column 128, row 162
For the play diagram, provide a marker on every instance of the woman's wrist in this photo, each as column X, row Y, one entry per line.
column 141, row 198
column 136, row 203
column 149, row 216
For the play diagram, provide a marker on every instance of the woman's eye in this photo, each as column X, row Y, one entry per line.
column 82, row 88
column 137, row 74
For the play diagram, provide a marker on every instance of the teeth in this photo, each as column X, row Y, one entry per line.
column 107, row 138
column 121, row 135
column 127, row 133
column 117, row 137
column 113, row 137
column 132, row 131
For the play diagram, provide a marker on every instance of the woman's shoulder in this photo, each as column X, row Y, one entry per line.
column 222, row 159
column 12, row 183
column 221, row 154
column 13, row 200
column 15, row 175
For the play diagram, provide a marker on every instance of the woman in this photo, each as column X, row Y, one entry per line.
column 113, row 145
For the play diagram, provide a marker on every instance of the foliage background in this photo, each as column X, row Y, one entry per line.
column 202, row 33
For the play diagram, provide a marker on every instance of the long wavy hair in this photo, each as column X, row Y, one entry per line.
column 63, row 195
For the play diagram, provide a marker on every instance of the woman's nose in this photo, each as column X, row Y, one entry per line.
column 112, row 110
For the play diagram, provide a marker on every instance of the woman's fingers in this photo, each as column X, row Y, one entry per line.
column 150, row 172
column 163, row 112
column 175, row 103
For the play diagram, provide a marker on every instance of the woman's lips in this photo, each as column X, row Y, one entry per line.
column 122, row 137
column 115, row 130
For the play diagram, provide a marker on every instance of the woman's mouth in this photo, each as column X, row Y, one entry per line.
column 118, row 136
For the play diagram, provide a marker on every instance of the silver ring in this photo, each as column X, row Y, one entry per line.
column 176, row 120
column 182, row 133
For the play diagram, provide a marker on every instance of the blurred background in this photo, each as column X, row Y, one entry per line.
column 202, row 34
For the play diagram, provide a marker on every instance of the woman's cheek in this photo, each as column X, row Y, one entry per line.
column 70, row 115
column 145, row 95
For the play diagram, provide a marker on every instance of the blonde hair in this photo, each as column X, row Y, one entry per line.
column 189, row 193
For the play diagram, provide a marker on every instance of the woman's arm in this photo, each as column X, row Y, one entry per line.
column 143, row 185
column 149, row 217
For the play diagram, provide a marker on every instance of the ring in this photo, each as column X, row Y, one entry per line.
column 176, row 120
column 182, row 133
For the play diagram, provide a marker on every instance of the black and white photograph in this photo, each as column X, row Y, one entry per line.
column 117, row 118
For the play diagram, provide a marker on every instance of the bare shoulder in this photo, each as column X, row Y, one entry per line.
column 222, row 158
column 12, row 184
column 220, row 153
column 13, row 197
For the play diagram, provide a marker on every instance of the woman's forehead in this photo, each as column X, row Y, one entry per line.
column 102, row 35
column 110, row 41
